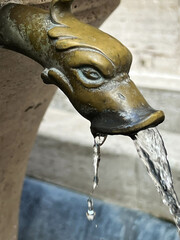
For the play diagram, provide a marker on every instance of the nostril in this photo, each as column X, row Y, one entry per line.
column 121, row 96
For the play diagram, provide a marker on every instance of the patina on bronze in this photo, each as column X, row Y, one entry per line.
column 88, row 65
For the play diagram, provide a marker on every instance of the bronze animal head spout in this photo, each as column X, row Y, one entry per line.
column 91, row 67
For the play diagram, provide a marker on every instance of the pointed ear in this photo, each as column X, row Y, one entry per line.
column 55, row 76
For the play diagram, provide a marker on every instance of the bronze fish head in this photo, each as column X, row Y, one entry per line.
column 95, row 77
column 90, row 66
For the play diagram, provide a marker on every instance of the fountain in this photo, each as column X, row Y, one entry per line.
column 92, row 69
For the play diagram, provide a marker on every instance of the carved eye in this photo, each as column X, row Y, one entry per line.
column 91, row 73
column 89, row 77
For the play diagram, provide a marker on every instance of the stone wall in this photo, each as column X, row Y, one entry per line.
column 151, row 30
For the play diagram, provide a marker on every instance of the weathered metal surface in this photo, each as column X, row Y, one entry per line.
column 81, row 61
column 88, row 11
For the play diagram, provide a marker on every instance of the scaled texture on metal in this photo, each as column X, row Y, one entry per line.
column 88, row 65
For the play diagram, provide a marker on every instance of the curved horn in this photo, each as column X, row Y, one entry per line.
column 58, row 7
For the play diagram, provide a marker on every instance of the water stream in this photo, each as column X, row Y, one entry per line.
column 151, row 150
column 98, row 142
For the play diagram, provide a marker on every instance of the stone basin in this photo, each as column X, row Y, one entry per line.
column 50, row 212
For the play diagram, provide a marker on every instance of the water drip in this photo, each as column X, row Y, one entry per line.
column 98, row 142
column 90, row 213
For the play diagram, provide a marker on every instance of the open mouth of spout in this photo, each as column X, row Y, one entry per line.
column 129, row 123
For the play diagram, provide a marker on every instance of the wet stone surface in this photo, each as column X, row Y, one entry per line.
column 49, row 212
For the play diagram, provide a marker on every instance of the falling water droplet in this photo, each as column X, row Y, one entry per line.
column 90, row 213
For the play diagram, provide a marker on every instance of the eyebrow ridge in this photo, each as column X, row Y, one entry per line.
column 81, row 48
